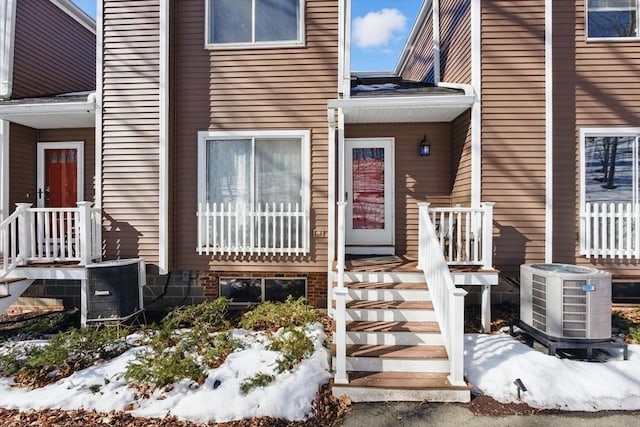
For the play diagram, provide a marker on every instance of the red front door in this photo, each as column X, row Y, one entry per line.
column 60, row 177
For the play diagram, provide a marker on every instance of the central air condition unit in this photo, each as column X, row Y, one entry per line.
column 566, row 301
column 114, row 289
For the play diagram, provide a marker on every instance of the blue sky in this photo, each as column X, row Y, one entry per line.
column 379, row 30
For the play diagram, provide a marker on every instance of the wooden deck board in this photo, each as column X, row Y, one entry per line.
column 427, row 327
column 402, row 380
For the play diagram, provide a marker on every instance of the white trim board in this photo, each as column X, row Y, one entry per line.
column 163, row 196
column 548, row 61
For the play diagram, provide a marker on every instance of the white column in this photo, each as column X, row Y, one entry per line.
column 24, row 232
column 84, row 222
column 331, row 222
column 485, row 315
column 423, row 216
column 487, row 235
column 456, row 338
column 341, row 306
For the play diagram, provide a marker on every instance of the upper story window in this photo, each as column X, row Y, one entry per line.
column 254, row 23
column 612, row 19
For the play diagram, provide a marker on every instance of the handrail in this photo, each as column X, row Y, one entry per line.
column 50, row 234
column 465, row 235
column 9, row 233
column 448, row 301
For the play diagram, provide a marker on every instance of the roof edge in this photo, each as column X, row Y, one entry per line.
column 79, row 15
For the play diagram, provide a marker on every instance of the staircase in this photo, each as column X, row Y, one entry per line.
column 395, row 349
column 11, row 289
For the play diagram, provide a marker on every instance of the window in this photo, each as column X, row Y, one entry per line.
column 256, row 290
column 254, row 192
column 612, row 19
column 610, row 192
column 254, row 23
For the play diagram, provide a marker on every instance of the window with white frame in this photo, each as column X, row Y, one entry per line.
column 610, row 192
column 612, row 19
column 254, row 192
column 254, row 23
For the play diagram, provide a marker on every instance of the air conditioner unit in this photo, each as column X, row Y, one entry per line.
column 114, row 289
column 566, row 301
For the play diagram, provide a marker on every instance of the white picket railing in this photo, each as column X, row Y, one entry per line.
column 235, row 228
column 51, row 235
column 465, row 235
column 448, row 301
column 610, row 230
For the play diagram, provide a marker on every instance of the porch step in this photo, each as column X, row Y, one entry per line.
column 394, row 333
column 416, row 327
column 390, row 311
column 374, row 358
column 401, row 386
column 387, row 294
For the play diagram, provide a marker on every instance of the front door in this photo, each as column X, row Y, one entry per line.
column 370, row 193
column 60, row 177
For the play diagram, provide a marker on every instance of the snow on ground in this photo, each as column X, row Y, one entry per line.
column 494, row 362
column 102, row 387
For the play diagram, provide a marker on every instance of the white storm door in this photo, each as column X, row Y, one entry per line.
column 370, row 192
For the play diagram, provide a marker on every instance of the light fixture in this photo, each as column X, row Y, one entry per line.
column 425, row 147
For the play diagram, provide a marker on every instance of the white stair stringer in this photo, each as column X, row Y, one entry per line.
column 11, row 291
column 395, row 349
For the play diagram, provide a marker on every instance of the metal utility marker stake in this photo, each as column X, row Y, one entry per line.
column 518, row 382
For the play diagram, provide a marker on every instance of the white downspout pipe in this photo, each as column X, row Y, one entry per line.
column 7, row 40
column 548, row 96
column 345, row 87
column 436, row 42
column 476, row 110
column 163, row 225
column 99, row 95
column 4, row 168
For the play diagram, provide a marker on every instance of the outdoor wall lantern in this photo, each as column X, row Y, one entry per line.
column 425, row 147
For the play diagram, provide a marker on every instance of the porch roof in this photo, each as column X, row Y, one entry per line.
column 70, row 110
column 404, row 109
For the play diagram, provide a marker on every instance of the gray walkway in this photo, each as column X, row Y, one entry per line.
column 416, row 414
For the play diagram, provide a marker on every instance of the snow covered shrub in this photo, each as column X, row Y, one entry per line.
column 271, row 316
column 294, row 345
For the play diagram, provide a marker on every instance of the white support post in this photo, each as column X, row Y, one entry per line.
column 423, row 215
column 456, row 338
column 84, row 224
column 485, row 316
column 340, row 315
column 487, row 236
column 4, row 169
column 24, row 232
column 83, row 303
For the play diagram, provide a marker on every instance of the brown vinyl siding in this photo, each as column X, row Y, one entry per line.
column 130, row 133
column 597, row 80
column 253, row 89
column 419, row 66
column 461, row 159
column 22, row 165
column 86, row 135
column 513, row 128
column 53, row 52
column 417, row 179
column 455, row 41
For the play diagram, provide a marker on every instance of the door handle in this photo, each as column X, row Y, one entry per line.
column 39, row 193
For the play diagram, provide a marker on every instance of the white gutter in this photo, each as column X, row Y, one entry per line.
column 404, row 102
column 7, row 111
column 476, row 110
column 436, row 42
column 548, row 70
column 163, row 255
column 418, row 28
column 98, row 99
column 7, row 32
column 79, row 15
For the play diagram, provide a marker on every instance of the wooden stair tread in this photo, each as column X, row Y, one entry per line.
column 401, row 380
column 393, row 327
column 385, row 285
column 390, row 305
column 396, row 351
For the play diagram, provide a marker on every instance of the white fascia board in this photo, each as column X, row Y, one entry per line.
column 7, row 111
column 403, row 102
column 418, row 27
column 76, row 13
column 7, row 37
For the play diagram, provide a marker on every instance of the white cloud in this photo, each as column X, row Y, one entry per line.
column 377, row 28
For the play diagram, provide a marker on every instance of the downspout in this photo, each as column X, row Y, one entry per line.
column 436, row 42
column 99, row 96
column 476, row 110
column 163, row 223
column 4, row 168
column 548, row 96
column 7, row 39
column 345, row 23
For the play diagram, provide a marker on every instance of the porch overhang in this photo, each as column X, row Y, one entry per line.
column 57, row 112
column 403, row 109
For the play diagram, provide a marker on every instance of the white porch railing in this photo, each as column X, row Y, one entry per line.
column 448, row 301
column 235, row 228
column 610, row 230
column 465, row 235
column 50, row 235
